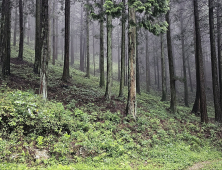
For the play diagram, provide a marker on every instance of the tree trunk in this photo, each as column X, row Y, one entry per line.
column 15, row 24
column 6, row 37
column 38, row 28
column 87, row 43
column 184, row 60
column 216, row 91
column 173, row 105
column 66, row 76
column 102, row 78
column 123, row 46
column 131, row 102
column 137, row 65
column 147, row 65
column 118, row 60
column 158, row 73
column 163, row 70
column 191, row 83
column 200, row 68
column 21, row 41
column 81, row 43
column 94, row 62
column 109, row 58
column 53, row 34
column 44, row 58
column 219, row 45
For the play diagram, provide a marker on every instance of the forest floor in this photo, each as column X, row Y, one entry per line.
column 97, row 134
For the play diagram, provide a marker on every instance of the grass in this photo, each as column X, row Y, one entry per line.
column 79, row 133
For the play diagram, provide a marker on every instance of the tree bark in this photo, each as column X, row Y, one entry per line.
column 131, row 102
column 147, row 65
column 163, row 70
column 87, row 44
column 184, row 60
column 109, row 58
column 5, row 37
column 66, row 75
column 21, row 41
column 102, row 77
column 123, row 46
column 216, row 91
column 53, row 35
column 81, row 43
column 38, row 45
column 15, row 24
column 219, row 45
column 44, row 58
column 173, row 105
column 137, row 65
column 199, row 67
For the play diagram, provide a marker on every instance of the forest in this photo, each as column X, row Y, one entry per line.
column 110, row 84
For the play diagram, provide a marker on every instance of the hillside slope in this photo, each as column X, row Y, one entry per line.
column 77, row 129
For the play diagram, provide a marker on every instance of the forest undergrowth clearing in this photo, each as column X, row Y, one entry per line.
column 80, row 130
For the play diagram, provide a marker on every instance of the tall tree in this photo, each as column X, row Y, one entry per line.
column 131, row 102
column 163, row 69
column 199, row 66
column 15, row 24
column 66, row 75
column 137, row 64
column 183, row 56
column 38, row 28
column 219, row 44
column 87, row 44
column 53, row 33
column 173, row 105
column 122, row 76
column 216, row 91
column 147, row 65
column 21, row 41
column 5, row 42
column 109, row 57
column 102, row 78
column 45, row 47
column 81, row 43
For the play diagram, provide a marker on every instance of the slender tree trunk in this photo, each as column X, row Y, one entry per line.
column 163, row 69
column 191, row 83
column 109, row 58
column 81, row 44
column 158, row 73
column 200, row 68
column 102, row 77
column 66, row 75
column 21, row 41
column 57, row 36
column 53, row 34
column 44, row 58
column 6, row 37
column 216, row 91
column 147, row 65
column 173, row 105
column 38, row 44
column 94, row 62
column 72, row 48
column 15, row 24
column 219, row 44
column 137, row 65
column 118, row 61
column 184, row 60
column 123, row 54
column 131, row 102
column 87, row 46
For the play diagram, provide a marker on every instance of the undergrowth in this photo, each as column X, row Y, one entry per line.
column 92, row 137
